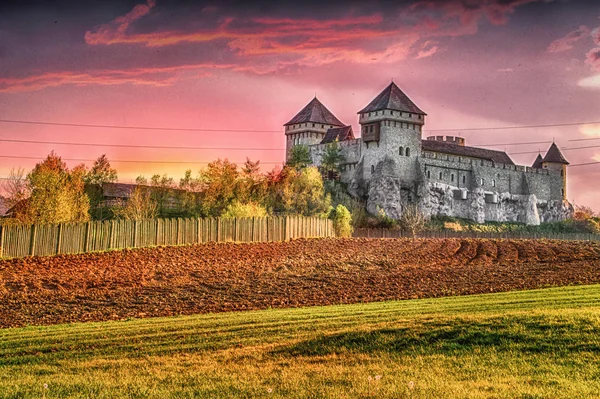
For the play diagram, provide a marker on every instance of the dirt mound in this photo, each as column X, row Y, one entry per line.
column 223, row 277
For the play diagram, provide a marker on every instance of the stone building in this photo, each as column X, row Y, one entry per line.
column 391, row 166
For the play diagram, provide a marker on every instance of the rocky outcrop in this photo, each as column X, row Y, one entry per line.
column 385, row 190
column 554, row 211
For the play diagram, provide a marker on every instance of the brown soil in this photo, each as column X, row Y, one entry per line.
column 224, row 277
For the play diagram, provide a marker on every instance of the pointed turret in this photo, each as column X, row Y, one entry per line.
column 392, row 98
column 310, row 125
column 554, row 156
column 538, row 162
column 555, row 161
column 315, row 112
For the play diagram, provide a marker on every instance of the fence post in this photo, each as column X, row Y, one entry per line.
column 32, row 240
column 111, row 235
column 286, row 233
column 135, row 233
column 2, row 240
column 59, row 238
column 218, row 221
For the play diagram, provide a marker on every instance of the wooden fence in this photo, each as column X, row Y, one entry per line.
column 389, row 233
column 28, row 240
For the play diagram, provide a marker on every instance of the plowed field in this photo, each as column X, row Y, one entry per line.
column 223, row 277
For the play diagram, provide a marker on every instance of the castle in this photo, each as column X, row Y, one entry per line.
column 390, row 166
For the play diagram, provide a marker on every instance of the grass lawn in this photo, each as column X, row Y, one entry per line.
column 528, row 344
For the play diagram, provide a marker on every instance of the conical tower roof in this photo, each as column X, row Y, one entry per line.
column 394, row 99
column 538, row 162
column 554, row 155
column 315, row 112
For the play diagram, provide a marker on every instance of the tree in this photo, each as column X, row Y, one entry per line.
column 141, row 205
column 57, row 194
column 342, row 221
column 162, row 192
column 15, row 187
column 218, row 187
column 299, row 157
column 101, row 172
column 301, row 192
column 332, row 158
column 412, row 219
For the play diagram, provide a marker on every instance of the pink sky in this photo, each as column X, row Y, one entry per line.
column 254, row 65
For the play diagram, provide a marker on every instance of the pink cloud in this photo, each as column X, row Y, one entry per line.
column 428, row 49
column 566, row 43
column 596, row 35
column 593, row 58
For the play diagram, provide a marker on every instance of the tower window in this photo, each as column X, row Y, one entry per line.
column 494, row 183
column 440, row 175
column 400, row 151
column 313, row 125
column 562, row 191
column 372, row 168
column 429, row 174
column 452, row 177
column 322, row 126
column 464, row 179
column 562, row 172
column 407, row 152
column 481, row 182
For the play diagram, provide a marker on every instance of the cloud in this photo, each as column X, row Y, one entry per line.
column 139, row 76
column 596, row 35
column 428, row 49
column 506, row 70
column 592, row 130
column 566, row 43
column 590, row 82
column 593, row 58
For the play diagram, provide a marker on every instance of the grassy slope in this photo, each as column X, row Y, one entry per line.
column 530, row 344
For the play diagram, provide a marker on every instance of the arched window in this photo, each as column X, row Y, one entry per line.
column 372, row 168
column 429, row 174
column 401, row 151
column 440, row 175
column 494, row 183
column 452, row 177
column 407, row 152
column 481, row 181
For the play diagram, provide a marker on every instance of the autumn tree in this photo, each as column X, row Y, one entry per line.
column 140, row 205
column 100, row 173
column 412, row 219
column 301, row 192
column 299, row 157
column 218, row 187
column 342, row 221
column 15, row 187
column 57, row 194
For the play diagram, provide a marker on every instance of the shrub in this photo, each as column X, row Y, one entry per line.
column 342, row 221
column 238, row 210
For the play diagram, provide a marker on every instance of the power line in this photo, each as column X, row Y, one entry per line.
column 564, row 149
column 584, row 164
column 126, row 161
column 513, row 127
column 139, row 146
column 136, row 127
column 501, row 144
column 595, row 138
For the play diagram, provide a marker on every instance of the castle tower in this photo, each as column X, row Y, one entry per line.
column 391, row 125
column 538, row 162
column 555, row 161
column 309, row 126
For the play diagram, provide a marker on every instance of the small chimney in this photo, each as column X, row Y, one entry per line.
column 460, row 141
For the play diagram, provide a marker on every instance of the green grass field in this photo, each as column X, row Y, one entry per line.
column 530, row 344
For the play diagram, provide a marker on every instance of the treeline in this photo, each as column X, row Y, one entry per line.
column 53, row 193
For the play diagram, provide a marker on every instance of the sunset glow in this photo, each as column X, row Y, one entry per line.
column 243, row 69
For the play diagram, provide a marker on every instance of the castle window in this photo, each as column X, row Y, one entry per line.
column 562, row 172
column 395, row 124
column 562, row 191
column 410, row 115
column 400, row 151
column 407, row 152
column 452, row 177
column 440, row 175
column 429, row 174
column 481, row 181
column 494, row 183
column 313, row 125
column 372, row 168
column 464, row 179
column 371, row 129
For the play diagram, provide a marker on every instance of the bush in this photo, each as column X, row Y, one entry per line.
column 342, row 221
column 238, row 210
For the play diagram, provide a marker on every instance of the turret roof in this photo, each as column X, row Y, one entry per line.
column 554, row 155
column 315, row 112
column 538, row 162
column 394, row 99
column 338, row 134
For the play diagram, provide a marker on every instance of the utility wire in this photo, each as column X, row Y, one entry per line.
column 563, row 149
column 514, row 127
column 125, row 161
column 136, row 127
column 595, row 138
column 501, row 144
column 138, row 146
